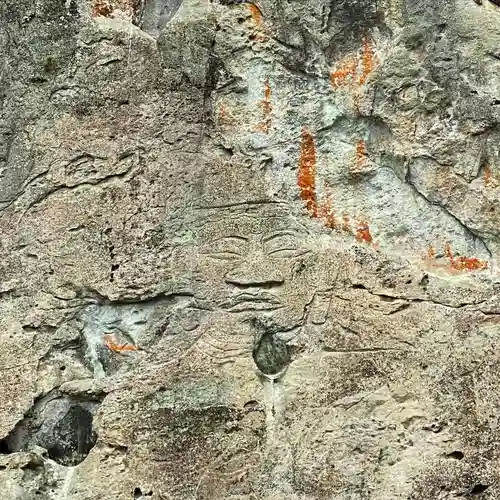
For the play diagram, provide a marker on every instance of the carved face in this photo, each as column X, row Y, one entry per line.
column 258, row 265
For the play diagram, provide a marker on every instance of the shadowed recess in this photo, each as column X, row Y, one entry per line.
column 156, row 14
column 271, row 354
column 63, row 426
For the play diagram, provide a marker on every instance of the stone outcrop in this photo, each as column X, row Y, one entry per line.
column 249, row 250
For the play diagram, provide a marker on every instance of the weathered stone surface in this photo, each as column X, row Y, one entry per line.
column 249, row 250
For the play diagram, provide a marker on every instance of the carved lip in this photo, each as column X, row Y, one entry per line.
column 253, row 302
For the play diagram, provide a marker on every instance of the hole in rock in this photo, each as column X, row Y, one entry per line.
column 73, row 437
column 424, row 281
column 60, row 424
column 4, row 447
column 271, row 354
column 114, row 268
column 139, row 494
column 358, row 286
column 457, row 455
column 478, row 489
column 251, row 406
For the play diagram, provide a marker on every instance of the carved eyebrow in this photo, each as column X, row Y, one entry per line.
column 279, row 234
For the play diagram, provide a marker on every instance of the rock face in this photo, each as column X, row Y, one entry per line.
column 249, row 250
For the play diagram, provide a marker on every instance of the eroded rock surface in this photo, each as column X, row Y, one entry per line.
column 249, row 249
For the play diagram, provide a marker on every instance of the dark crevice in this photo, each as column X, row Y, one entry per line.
column 241, row 204
column 271, row 354
column 265, row 285
column 114, row 268
column 418, row 300
column 478, row 489
column 4, row 447
column 386, row 298
column 139, row 494
column 402, row 307
column 74, row 437
column 61, row 424
column 233, row 2
column 112, row 255
column 364, row 349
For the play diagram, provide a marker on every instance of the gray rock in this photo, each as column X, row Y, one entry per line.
column 249, row 250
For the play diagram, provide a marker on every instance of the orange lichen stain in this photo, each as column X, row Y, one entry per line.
column 354, row 69
column 367, row 61
column 330, row 220
column 488, row 177
column 110, row 343
column 327, row 214
column 306, row 178
column 324, row 209
column 361, row 157
column 226, row 116
column 102, row 8
column 356, row 101
column 363, row 234
column 222, row 113
column 111, row 8
column 256, row 13
column 267, row 109
column 346, row 223
column 344, row 72
column 464, row 263
column 448, row 252
column 258, row 37
column 431, row 252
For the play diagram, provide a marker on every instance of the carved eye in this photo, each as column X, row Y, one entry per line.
column 224, row 255
column 288, row 252
column 229, row 248
column 283, row 245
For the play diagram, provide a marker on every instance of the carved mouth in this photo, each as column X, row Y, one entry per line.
column 253, row 302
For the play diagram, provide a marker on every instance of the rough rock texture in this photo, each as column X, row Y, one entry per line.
column 249, row 250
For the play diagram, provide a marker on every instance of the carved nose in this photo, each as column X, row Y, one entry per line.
column 255, row 274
